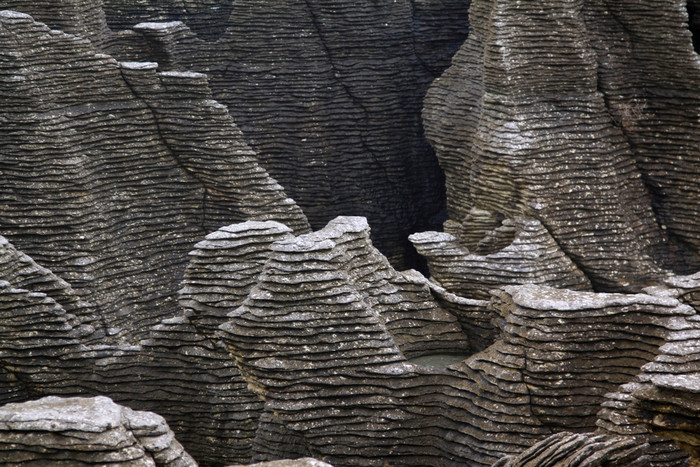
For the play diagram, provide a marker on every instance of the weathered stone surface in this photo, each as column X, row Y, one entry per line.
column 302, row 462
column 667, row 395
column 517, row 252
column 334, row 267
column 111, row 172
column 176, row 371
column 332, row 105
column 106, row 183
column 584, row 450
column 326, row 382
column 86, row 431
column 528, row 121
column 613, row 419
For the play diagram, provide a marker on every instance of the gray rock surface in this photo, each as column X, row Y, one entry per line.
column 86, row 431
column 569, row 118
column 332, row 107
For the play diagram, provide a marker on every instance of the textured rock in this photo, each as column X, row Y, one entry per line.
column 86, row 431
column 558, row 354
column 111, row 172
column 176, row 371
column 568, row 449
column 519, row 252
column 613, row 419
column 527, row 122
column 665, row 397
column 332, row 106
column 120, row 185
column 316, row 270
column 302, row 462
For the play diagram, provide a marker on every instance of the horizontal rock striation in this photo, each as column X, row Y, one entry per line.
column 649, row 74
column 584, row 450
column 339, row 260
column 332, row 106
column 86, row 431
column 522, row 126
column 99, row 185
column 613, row 419
column 516, row 252
column 557, row 355
column 223, row 269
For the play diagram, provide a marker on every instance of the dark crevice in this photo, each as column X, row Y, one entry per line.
column 355, row 100
column 693, row 7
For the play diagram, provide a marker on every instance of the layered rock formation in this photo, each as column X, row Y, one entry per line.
column 333, row 104
column 558, row 117
column 86, row 431
column 567, row 131
column 568, row 449
column 120, row 183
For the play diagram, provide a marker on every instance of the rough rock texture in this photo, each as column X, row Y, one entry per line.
column 581, row 450
column 176, row 371
column 111, row 172
column 301, row 462
column 333, row 267
column 332, row 105
column 86, row 431
column 106, row 182
column 518, row 252
column 584, row 118
column 327, row 383
column 666, row 394
column 613, row 419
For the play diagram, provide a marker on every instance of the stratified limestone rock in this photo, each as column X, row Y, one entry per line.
column 517, row 252
column 224, row 268
column 349, row 264
column 666, row 397
column 176, row 371
column 475, row 316
column 109, row 189
column 86, row 431
column 327, row 383
column 84, row 18
column 522, row 129
column 302, row 462
column 598, row 341
column 580, row 450
column 613, row 419
column 329, row 95
column 649, row 75
column 22, row 272
column 670, row 405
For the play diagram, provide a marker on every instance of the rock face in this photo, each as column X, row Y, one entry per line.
column 117, row 170
column 86, row 431
column 519, row 252
column 332, row 106
column 534, row 119
column 568, row 449
column 568, row 134
column 557, row 354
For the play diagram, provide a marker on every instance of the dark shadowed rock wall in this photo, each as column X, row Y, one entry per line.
column 329, row 95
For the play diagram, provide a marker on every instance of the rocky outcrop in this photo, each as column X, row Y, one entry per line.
column 516, row 252
column 336, row 267
column 86, row 431
column 558, row 353
column 532, row 120
column 584, row 450
column 332, row 106
column 120, row 184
